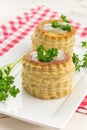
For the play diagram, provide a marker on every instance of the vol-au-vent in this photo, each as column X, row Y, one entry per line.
column 60, row 56
column 54, row 33
column 47, row 79
column 58, row 29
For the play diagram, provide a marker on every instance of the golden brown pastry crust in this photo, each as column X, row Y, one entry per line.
column 47, row 80
column 64, row 41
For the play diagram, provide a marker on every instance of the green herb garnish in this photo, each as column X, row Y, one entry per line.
column 55, row 24
column 66, row 27
column 84, row 60
column 46, row 55
column 84, row 44
column 7, row 86
column 79, row 63
column 76, row 61
column 64, row 19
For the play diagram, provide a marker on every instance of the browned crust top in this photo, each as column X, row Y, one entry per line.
column 29, row 59
column 41, row 24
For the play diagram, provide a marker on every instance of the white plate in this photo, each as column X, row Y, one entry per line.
column 50, row 113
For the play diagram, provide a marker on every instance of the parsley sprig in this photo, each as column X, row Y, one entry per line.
column 7, row 86
column 76, row 61
column 85, row 60
column 79, row 63
column 66, row 27
column 84, row 44
column 46, row 55
column 64, row 18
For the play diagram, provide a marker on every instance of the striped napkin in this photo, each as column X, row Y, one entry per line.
column 15, row 30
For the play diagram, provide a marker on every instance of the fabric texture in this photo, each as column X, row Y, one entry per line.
column 15, row 30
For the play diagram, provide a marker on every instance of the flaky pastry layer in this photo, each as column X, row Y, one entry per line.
column 64, row 41
column 47, row 80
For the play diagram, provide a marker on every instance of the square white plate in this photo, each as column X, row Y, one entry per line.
column 50, row 113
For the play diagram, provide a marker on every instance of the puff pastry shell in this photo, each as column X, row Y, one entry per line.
column 64, row 41
column 47, row 80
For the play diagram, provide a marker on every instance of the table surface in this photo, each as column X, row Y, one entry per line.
column 74, row 9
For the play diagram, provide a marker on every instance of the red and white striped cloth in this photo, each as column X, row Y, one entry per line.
column 83, row 106
column 15, row 30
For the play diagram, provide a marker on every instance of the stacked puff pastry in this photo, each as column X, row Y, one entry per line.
column 49, row 80
column 59, row 40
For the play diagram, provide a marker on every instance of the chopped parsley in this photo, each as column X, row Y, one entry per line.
column 46, row 55
column 64, row 19
column 55, row 24
column 66, row 27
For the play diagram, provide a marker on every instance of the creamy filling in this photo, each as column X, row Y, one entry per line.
column 59, row 57
column 48, row 27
